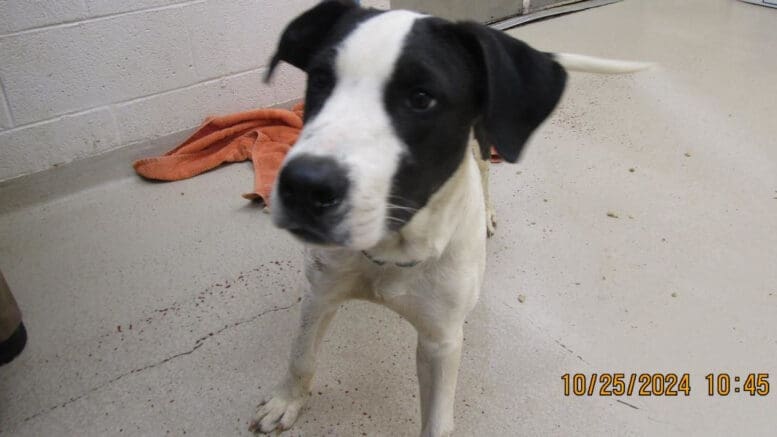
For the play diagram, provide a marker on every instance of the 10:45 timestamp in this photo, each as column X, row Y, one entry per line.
column 721, row 384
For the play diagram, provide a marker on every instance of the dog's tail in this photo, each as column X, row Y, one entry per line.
column 591, row 64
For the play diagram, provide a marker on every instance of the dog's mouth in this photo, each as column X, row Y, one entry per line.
column 332, row 234
column 320, row 231
column 313, row 236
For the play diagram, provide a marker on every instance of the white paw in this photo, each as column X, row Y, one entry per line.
column 278, row 411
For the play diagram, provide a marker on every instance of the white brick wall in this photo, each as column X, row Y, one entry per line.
column 158, row 115
column 82, row 77
column 42, row 145
column 79, row 66
column 16, row 15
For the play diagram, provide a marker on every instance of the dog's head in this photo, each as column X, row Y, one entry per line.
column 391, row 100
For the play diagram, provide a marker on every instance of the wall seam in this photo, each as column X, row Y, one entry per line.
column 202, row 82
column 191, row 46
column 134, row 99
column 116, row 130
column 77, row 22
column 7, row 105
column 57, row 118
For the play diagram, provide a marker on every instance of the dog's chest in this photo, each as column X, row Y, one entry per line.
column 386, row 283
column 353, row 272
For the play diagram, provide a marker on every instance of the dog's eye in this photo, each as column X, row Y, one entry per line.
column 420, row 101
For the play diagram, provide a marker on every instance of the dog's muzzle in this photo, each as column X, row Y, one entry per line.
column 311, row 198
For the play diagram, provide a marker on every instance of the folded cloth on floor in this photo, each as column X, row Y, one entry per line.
column 262, row 135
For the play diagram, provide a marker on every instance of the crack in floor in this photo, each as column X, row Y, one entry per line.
column 197, row 344
column 545, row 332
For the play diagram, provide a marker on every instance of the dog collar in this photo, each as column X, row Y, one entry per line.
column 381, row 263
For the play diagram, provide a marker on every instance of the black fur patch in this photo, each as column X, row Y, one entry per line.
column 480, row 78
column 309, row 43
column 521, row 88
column 434, row 61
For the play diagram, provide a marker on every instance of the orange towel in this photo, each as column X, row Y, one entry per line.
column 262, row 135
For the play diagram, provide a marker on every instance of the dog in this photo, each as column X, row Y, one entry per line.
column 381, row 185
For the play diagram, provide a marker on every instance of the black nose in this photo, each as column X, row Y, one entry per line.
column 312, row 185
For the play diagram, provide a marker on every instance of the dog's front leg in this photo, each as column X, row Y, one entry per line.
column 281, row 408
column 437, row 361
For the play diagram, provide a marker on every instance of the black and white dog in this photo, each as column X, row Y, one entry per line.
column 382, row 185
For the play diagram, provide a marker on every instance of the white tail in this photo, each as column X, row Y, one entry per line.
column 590, row 64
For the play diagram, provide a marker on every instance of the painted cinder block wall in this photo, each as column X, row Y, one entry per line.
column 483, row 11
column 82, row 77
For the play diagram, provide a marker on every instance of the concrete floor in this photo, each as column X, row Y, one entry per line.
column 160, row 309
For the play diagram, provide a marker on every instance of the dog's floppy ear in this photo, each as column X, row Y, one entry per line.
column 304, row 35
column 520, row 88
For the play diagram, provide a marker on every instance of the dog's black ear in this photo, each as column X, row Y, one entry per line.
column 304, row 35
column 520, row 88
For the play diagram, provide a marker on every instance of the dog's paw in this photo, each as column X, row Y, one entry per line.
column 490, row 223
column 278, row 411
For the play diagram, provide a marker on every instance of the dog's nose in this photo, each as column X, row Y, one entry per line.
column 312, row 185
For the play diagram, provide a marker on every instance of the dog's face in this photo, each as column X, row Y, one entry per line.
column 390, row 103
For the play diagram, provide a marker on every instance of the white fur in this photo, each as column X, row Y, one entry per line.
column 591, row 64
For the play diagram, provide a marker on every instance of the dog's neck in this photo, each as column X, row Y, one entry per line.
column 428, row 234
